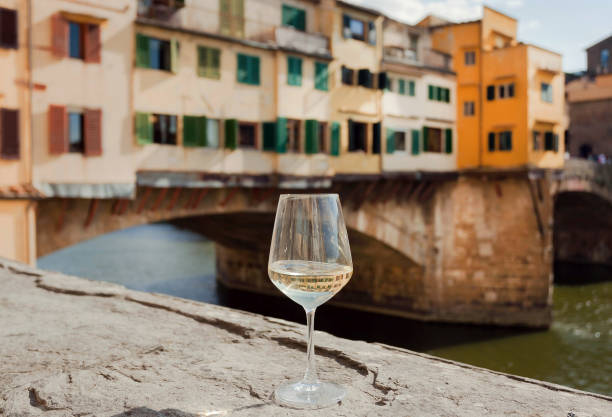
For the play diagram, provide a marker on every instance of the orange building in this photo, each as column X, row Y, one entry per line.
column 510, row 94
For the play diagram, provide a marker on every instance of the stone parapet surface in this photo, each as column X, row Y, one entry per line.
column 73, row 347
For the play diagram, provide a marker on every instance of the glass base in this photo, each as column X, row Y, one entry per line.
column 309, row 395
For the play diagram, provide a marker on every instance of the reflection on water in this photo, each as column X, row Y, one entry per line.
column 576, row 351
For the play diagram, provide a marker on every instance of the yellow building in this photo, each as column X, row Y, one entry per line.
column 509, row 94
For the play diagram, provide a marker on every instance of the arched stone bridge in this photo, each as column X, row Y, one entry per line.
column 583, row 222
column 469, row 247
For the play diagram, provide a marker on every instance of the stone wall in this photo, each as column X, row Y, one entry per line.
column 591, row 126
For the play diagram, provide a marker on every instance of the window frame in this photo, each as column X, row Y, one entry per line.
column 239, row 143
column 295, row 143
column 10, row 40
column 367, row 27
column 252, row 61
column 157, row 117
column 546, row 94
column 469, row 108
column 298, row 11
column 204, row 54
column 403, row 134
column 351, row 131
column 469, row 58
column 429, row 140
column 78, row 147
column 293, row 63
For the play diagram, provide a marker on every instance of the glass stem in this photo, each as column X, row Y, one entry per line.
column 310, row 377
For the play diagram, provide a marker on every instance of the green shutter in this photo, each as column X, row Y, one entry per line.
column 242, row 72
column 281, row 135
column 294, row 70
column 321, row 76
column 253, row 63
column 190, row 131
column 202, row 131
column 425, row 133
column 202, row 61
column 269, row 136
column 174, row 55
column 144, row 128
column 438, row 93
column 402, row 86
column 231, row 132
column 390, row 140
column 300, row 20
column 142, row 51
column 448, row 95
column 334, row 143
column 415, row 142
column 294, row 17
column 430, row 90
column 411, row 89
column 312, row 136
column 214, row 63
column 449, row 140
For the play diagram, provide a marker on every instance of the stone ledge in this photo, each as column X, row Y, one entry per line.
column 73, row 347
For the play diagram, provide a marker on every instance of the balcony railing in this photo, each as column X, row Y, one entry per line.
column 400, row 55
column 311, row 43
column 427, row 58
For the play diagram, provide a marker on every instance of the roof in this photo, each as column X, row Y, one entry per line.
column 609, row 38
column 359, row 8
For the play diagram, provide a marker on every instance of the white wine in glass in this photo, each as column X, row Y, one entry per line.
column 310, row 261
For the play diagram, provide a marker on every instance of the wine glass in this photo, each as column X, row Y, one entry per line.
column 310, row 261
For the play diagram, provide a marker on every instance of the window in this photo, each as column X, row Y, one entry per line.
column 491, row 142
column 537, row 138
column 432, row 139
column 8, row 28
column 506, row 91
column 357, row 29
column 294, row 17
column 347, row 76
column 439, row 93
column 248, row 69
column 231, row 17
column 156, row 53
column 212, row 133
column 490, row 92
column 411, row 88
column 9, row 134
column 75, row 49
column 414, row 42
column 358, row 136
column 164, row 129
column 401, row 86
column 75, row 132
column 551, row 141
column 390, row 83
column 74, row 39
column 323, row 137
column 505, row 141
column 321, row 76
column 294, row 137
column 604, row 59
column 247, row 135
column 399, row 139
column 294, row 71
column 468, row 108
column 209, row 62
column 470, row 58
column 547, row 93
column 365, row 78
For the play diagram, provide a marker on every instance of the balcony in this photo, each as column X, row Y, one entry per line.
column 429, row 58
column 159, row 9
column 293, row 39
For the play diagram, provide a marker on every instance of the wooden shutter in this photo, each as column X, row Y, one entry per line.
column 238, row 18
column 59, row 36
column 351, row 134
column 376, row 138
column 416, row 148
column 556, row 142
column 281, row 135
column 93, row 45
column 214, row 63
column 448, row 134
column 142, row 51
column 490, row 92
column 174, row 56
column 254, row 70
column 287, row 18
column 225, row 24
column 346, row 26
column 92, row 119
column 300, row 20
column 8, row 23
column 334, row 145
column 382, row 80
column 202, row 131
column 269, row 136
column 242, row 71
column 491, row 142
column 190, row 131
column 58, row 129
column 390, row 140
column 430, row 90
column 312, row 136
column 231, row 133
column 425, row 133
column 9, row 134
column 402, row 86
column 321, row 76
column 144, row 128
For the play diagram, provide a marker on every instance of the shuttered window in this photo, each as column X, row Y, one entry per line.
column 390, row 140
column 76, row 40
column 411, row 88
column 321, row 76
column 59, row 36
column 209, row 62
column 312, row 136
column 231, row 18
column 401, row 86
column 448, row 135
column 231, row 133
column 156, row 53
column 505, row 141
column 365, row 78
column 334, row 143
column 294, row 71
column 194, row 131
column 431, row 92
column 294, row 17
column 248, row 69
column 282, row 136
column 92, row 120
column 8, row 28
column 437, row 93
column 415, row 142
column 9, row 134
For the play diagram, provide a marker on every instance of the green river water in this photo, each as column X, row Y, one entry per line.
column 576, row 351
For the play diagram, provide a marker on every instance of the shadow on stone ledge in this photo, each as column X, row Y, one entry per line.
column 172, row 412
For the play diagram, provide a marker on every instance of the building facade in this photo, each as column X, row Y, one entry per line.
column 509, row 94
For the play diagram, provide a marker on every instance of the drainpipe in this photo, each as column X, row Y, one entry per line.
column 30, row 167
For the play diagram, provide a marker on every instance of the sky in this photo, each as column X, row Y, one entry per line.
column 564, row 26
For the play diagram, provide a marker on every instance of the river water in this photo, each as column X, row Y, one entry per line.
column 576, row 351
